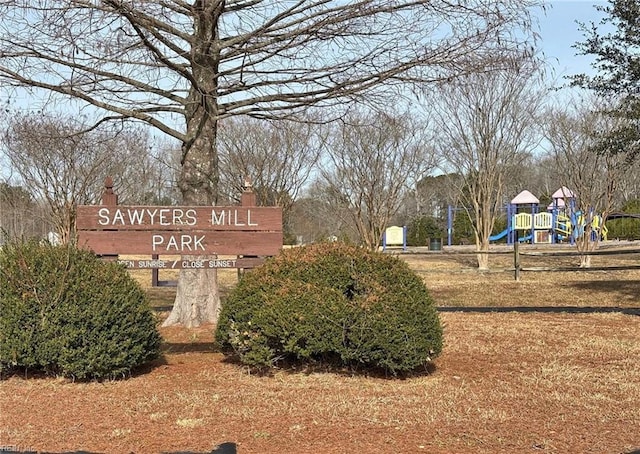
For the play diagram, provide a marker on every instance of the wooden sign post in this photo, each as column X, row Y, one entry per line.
column 110, row 229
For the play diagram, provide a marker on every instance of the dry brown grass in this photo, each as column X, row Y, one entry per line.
column 454, row 281
column 509, row 382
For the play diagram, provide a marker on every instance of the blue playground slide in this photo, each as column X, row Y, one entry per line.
column 498, row 236
column 504, row 233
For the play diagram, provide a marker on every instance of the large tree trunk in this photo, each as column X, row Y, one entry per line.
column 197, row 297
column 585, row 244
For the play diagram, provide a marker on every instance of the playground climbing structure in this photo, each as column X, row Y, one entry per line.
column 560, row 222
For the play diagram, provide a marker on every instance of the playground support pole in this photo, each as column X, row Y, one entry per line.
column 516, row 260
column 449, row 225
column 554, row 222
column 510, row 231
column 404, row 237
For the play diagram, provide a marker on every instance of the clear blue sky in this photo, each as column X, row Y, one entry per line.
column 559, row 31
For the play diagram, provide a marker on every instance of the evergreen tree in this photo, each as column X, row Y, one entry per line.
column 615, row 44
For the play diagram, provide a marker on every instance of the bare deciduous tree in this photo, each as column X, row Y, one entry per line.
column 20, row 215
column 182, row 66
column 630, row 185
column 573, row 133
column 62, row 165
column 487, row 125
column 311, row 219
column 148, row 172
column 278, row 157
column 374, row 159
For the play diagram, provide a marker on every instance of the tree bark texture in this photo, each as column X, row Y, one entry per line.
column 197, row 298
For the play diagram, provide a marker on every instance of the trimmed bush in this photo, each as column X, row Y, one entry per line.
column 65, row 312
column 331, row 301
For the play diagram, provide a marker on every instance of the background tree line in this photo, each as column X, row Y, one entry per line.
column 348, row 179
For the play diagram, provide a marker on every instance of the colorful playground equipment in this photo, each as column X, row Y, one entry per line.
column 560, row 222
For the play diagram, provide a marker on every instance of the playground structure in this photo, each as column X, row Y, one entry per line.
column 558, row 223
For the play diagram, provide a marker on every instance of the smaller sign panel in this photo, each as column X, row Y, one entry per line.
column 197, row 263
column 394, row 236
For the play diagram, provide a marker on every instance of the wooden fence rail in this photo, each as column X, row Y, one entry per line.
column 518, row 254
column 518, row 268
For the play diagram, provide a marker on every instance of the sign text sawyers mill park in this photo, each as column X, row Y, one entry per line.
column 192, row 231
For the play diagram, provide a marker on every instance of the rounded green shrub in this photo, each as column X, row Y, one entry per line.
column 331, row 301
column 65, row 312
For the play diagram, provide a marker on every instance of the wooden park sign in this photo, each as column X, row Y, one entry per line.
column 246, row 230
